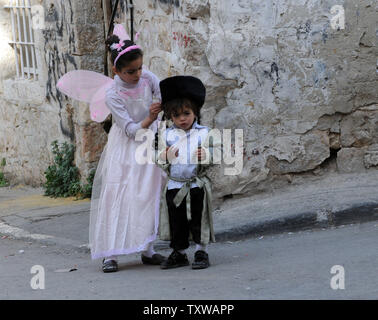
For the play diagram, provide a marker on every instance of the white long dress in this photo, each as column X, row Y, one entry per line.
column 125, row 196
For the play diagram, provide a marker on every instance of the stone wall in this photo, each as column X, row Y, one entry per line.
column 32, row 112
column 303, row 91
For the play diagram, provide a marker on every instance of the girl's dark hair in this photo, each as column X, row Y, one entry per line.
column 127, row 57
column 175, row 106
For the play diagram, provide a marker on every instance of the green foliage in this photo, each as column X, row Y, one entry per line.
column 63, row 178
column 3, row 181
column 86, row 190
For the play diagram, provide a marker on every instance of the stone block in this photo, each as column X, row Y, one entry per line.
column 298, row 153
column 359, row 129
column 371, row 156
column 350, row 160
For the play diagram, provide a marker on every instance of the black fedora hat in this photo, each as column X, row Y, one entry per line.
column 179, row 87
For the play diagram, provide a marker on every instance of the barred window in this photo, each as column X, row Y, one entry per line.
column 23, row 38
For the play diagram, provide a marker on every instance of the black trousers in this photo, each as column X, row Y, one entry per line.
column 179, row 225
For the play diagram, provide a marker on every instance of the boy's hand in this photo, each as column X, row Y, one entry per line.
column 169, row 154
column 201, row 154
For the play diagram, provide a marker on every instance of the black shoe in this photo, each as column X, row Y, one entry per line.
column 175, row 260
column 109, row 266
column 156, row 259
column 201, row 260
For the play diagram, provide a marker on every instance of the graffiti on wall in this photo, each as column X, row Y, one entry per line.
column 183, row 40
column 58, row 25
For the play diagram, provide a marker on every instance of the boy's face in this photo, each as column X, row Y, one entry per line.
column 184, row 118
column 132, row 72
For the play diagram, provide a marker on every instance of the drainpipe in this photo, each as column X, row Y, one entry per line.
column 131, row 7
column 111, row 24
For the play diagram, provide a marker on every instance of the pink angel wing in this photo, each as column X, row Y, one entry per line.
column 87, row 86
column 120, row 31
column 98, row 108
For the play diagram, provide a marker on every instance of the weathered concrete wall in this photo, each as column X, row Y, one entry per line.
column 305, row 94
column 33, row 113
column 7, row 66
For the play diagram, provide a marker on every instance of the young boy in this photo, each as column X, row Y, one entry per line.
column 186, row 201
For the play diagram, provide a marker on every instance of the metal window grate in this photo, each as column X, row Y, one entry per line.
column 23, row 39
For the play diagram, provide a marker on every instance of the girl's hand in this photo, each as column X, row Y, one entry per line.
column 155, row 109
column 201, row 154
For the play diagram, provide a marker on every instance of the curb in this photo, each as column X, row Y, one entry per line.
column 290, row 223
column 303, row 221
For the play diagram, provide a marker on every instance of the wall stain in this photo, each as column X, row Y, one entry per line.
column 274, row 70
column 303, row 31
column 321, row 75
column 175, row 3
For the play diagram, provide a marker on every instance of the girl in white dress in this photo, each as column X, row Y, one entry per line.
column 125, row 197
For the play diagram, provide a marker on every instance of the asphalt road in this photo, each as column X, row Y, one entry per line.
column 286, row 266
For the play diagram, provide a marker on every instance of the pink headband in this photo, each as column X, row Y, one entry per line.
column 126, row 50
